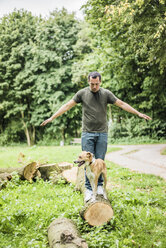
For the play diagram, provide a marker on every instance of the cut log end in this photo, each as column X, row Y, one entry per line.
column 30, row 171
column 97, row 213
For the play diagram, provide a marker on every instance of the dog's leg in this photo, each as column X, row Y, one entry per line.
column 105, row 183
column 94, row 187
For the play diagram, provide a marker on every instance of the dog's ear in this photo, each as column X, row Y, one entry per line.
column 89, row 154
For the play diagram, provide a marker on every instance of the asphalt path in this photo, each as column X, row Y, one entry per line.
column 142, row 158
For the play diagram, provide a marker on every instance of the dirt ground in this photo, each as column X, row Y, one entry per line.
column 141, row 158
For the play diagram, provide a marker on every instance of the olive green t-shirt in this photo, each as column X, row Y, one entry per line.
column 94, row 108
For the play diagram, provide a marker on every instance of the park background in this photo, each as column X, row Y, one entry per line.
column 44, row 61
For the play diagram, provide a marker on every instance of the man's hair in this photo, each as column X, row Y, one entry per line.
column 94, row 74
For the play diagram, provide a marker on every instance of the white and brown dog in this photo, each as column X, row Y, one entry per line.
column 94, row 168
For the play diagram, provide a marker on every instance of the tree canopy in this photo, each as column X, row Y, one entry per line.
column 43, row 62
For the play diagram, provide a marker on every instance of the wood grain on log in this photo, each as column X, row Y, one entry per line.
column 30, row 171
column 98, row 212
column 62, row 233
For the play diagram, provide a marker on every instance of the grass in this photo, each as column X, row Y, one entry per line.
column 26, row 210
column 43, row 154
column 163, row 151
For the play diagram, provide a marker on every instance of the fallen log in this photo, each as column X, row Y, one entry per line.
column 98, row 212
column 65, row 165
column 32, row 170
column 62, row 233
column 70, row 175
column 47, row 170
column 95, row 213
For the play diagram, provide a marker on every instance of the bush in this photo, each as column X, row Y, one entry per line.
column 137, row 128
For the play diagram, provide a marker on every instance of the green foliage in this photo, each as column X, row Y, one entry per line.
column 131, row 51
column 28, row 209
column 17, row 32
column 138, row 202
column 137, row 128
column 163, row 152
column 35, row 73
column 43, row 62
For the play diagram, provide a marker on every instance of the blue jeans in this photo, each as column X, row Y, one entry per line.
column 95, row 143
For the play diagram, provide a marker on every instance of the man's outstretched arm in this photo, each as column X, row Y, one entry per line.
column 130, row 109
column 62, row 110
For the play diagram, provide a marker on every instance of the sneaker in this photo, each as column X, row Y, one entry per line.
column 100, row 190
column 88, row 195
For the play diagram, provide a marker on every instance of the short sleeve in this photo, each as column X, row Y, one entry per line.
column 77, row 97
column 111, row 98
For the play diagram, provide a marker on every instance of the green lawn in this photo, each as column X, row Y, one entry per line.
column 43, row 154
column 26, row 210
column 163, row 152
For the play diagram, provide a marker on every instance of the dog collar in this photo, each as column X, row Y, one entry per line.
column 93, row 160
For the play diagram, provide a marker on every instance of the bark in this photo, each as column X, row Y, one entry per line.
column 26, row 129
column 62, row 233
column 95, row 213
column 70, row 175
column 33, row 169
column 48, row 170
column 65, row 165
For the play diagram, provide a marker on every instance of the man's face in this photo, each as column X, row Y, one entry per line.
column 94, row 84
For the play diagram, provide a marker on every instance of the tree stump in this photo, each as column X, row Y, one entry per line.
column 62, row 233
column 95, row 213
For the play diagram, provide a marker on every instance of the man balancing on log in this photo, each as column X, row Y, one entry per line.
column 94, row 100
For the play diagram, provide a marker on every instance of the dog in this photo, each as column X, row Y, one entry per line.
column 94, row 168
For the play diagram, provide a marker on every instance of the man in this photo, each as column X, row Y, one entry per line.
column 94, row 100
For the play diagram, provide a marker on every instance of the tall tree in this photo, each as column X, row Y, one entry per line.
column 17, row 32
column 133, row 49
column 35, row 73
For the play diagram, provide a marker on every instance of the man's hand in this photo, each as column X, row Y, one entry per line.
column 146, row 117
column 46, row 121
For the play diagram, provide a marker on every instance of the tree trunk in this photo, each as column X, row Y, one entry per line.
column 62, row 233
column 26, row 129
column 95, row 213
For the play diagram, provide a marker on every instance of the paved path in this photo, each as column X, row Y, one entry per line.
column 141, row 158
